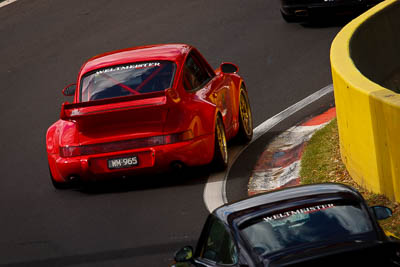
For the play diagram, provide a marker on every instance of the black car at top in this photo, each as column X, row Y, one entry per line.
column 312, row 225
column 299, row 10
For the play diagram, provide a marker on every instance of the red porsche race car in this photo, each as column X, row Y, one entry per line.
column 147, row 109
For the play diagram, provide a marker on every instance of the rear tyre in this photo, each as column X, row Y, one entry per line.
column 220, row 160
column 245, row 133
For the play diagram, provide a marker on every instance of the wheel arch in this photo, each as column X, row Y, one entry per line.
column 237, row 100
column 52, row 138
column 218, row 114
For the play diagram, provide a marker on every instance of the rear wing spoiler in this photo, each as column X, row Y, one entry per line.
column 77, row 111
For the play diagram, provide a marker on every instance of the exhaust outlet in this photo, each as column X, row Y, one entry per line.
column 73, row 178
column 177, row 166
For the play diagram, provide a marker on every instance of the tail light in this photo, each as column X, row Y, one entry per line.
column 178, row 137
column 73, row 151
column 70, row 151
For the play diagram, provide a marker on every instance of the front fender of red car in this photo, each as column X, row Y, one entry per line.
column 237, row 84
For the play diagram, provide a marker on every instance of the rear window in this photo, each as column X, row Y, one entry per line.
column 127, row 80
column 281, row 230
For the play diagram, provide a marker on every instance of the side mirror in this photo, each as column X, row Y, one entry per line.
column 185, row 254
column 229, row 68
column 382, row 212
column 69, row 90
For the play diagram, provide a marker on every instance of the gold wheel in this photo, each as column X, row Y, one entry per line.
column 245, row 114
column 220, row 160
column 245, row 133
column 222, row 141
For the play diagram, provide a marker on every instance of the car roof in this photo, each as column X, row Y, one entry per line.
column 171, row 52
column 313, row 192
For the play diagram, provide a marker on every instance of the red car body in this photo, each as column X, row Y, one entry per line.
column 98, row 136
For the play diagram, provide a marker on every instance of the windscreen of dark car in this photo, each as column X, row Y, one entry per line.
column 291, row 228
column 126, row 80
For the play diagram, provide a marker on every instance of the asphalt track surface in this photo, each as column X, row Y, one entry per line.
column 139, row 222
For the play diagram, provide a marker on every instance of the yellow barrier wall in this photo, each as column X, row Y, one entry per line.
column 368, row 114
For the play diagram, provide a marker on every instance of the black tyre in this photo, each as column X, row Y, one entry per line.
column 245, row 133
column 220, row 160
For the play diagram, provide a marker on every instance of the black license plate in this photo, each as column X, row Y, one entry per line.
column 120, row 163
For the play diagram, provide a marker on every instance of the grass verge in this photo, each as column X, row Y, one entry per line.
column 321, row 162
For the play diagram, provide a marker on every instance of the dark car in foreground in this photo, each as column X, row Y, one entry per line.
column 299, row 10
column 312, row 225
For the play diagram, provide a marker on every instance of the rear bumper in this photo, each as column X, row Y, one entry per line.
column 198, row 151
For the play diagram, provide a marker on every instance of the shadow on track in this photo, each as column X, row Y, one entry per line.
column 325, row 21
column 99, row 257
column 186, row 177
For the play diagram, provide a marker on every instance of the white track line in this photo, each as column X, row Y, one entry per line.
column 214, row 194
column 7, row 2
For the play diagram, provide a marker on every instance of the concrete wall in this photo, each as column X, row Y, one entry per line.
column 364, row 59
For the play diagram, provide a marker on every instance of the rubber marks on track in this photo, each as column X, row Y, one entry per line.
column 279, row 164
column 215, row 189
